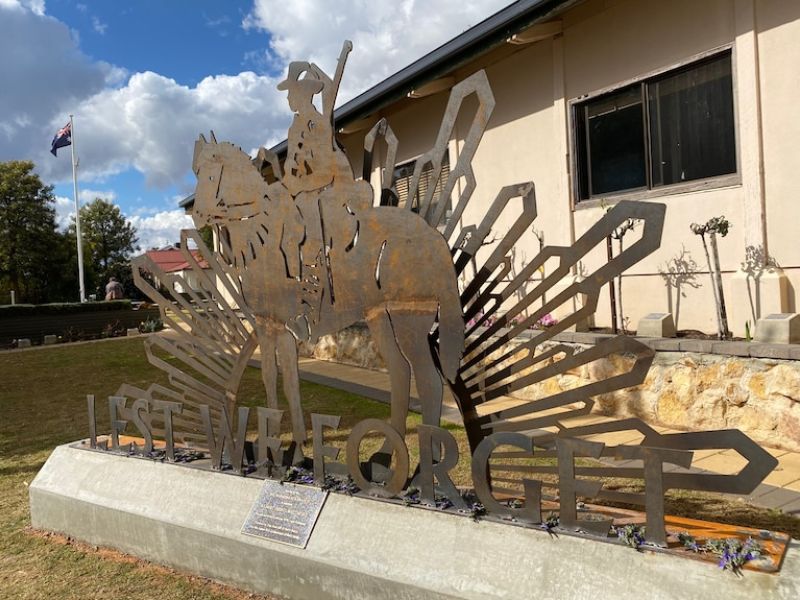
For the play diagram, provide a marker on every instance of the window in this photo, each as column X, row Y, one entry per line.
column 668, row 129
column 403, row 174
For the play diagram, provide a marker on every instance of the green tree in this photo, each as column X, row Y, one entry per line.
column 31, row 249
column 207, row 235
column 108, row 242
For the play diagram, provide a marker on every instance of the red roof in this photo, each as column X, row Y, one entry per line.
column 172, row 260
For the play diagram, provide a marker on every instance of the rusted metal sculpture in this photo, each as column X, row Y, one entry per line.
column 308, row 253
column 314, row 263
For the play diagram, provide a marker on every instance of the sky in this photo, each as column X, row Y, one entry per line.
column 143, row 78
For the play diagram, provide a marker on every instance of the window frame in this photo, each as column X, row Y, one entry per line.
column 644, row 193
column 413, row 161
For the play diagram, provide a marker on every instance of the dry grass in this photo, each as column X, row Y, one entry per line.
column 42, row 405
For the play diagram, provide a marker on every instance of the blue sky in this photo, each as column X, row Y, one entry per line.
column 144, row 77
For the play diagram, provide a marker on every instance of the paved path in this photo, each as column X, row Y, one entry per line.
column 780, row 490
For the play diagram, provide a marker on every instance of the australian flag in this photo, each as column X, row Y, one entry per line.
column 62, row 138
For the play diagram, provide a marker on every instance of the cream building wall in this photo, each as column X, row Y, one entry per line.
column 605, row 43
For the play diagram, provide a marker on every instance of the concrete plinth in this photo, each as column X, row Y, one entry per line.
column 780, row 328
column 752, row 298
column 658, row 325
column 191, row 520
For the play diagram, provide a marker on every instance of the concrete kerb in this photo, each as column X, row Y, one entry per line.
column 191, row 519
column 80, row 343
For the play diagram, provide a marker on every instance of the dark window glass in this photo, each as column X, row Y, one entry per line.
column 691, row 123
column 615, row 126
column 669, row 129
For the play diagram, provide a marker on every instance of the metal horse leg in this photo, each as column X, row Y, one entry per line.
column 380, row 326
column 269, row 366
column 287, row 357
column 412, row 331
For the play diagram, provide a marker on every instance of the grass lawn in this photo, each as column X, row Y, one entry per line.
column 42, row 405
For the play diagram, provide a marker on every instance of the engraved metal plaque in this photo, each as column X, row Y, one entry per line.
column 285, row 513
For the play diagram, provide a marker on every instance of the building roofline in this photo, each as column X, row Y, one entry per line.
column 187, row 202
column 477, row 40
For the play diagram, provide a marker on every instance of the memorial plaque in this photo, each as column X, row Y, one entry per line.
column 285, row 513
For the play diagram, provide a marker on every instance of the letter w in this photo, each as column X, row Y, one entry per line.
column 232, row 447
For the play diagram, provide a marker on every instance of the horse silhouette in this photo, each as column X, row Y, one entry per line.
column 315, row 263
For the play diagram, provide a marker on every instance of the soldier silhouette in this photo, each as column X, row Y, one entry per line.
column 318, row 198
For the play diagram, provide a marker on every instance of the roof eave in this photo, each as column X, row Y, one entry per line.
column 477, row 40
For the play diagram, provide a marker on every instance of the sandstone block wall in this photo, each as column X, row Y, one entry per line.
column 683, row 390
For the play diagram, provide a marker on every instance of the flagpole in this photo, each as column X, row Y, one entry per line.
column 77, row 211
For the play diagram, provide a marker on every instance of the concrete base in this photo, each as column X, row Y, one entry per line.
column 780, row 328
column 763, row 295
column 658, row 325
column 191, row 519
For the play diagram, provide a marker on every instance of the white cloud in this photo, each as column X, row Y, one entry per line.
column 99, row 26
column 47, row 76
column 149, row 122
column 386, row 35
column 35, row 6
column 154, row 228
column 216, row 22
column 65, row 211
column 152, row 122
column 160, row 229
column 87, row 195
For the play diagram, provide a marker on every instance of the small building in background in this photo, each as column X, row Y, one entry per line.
column 171, row 260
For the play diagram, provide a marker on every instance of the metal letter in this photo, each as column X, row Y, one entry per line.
column 569, row 487
column 231, row 446
column 138, row 405
column 168, row 408
column 116, row 405
column 654, row 459
column 532, row 511
column 92, row 421
column 447, row 449
column 320, row 450
column 400, row 475
column 270, row 454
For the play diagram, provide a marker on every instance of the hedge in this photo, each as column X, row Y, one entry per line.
column 73, row 326
column 61, row 308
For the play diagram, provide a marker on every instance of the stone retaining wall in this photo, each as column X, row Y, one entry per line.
column 683, row 390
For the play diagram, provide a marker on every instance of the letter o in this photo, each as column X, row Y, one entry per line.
column 400, row 474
